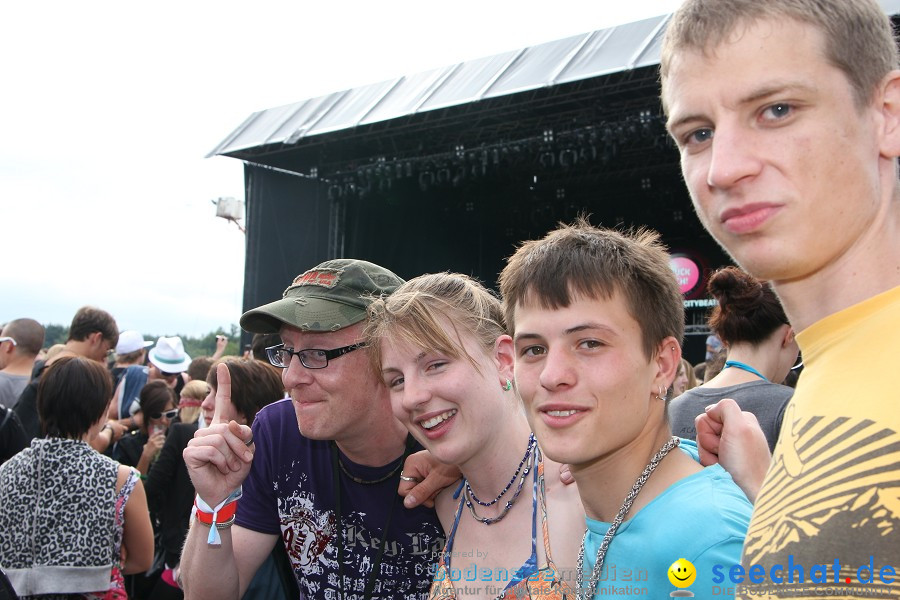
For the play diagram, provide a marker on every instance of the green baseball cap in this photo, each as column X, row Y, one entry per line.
column 328, row 297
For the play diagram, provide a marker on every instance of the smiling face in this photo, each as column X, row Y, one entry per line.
column 344, row 399
column 588, row 386
column 775, row 151
column 448, row 405
column 682, row 573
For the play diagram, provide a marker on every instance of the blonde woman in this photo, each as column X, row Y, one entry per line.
column 192, row 396
column 436, row 342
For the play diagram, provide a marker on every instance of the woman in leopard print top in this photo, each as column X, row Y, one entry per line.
column 72, row 521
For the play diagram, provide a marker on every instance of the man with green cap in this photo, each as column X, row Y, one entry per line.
column 319, row 470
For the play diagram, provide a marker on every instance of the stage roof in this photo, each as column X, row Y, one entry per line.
column 562, row 61
column 601, row 52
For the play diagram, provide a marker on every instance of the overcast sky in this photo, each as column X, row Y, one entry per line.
column 108, row 109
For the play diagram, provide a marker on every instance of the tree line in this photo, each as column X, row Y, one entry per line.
column 203, row 345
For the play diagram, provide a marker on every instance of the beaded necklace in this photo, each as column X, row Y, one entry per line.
column 471, row 492
column 524, row 468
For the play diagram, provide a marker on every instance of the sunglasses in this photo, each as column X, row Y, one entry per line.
column 169, row 414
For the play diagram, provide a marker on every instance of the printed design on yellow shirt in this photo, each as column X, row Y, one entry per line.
column 833, row 492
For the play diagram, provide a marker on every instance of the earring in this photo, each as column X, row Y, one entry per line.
column 662, row 393
column 508, row 386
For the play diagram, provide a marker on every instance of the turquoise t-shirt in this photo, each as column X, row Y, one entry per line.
column 702, row 518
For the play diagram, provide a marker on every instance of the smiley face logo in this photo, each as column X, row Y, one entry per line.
column 682, row 573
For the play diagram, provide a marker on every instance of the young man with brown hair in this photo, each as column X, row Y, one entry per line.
column 93, row 334
column 596, row 319
column 787, row 117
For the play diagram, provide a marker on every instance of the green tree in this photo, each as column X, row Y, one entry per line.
column 55, row 334
column 204, row 345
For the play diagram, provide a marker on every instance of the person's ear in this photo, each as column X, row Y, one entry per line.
column 667, row 361
column 788, row 337
column 887, row 103
column 504, row 358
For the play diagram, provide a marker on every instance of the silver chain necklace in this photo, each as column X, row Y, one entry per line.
column 620, row 516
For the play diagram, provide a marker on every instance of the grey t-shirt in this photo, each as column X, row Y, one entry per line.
column 767, row 401
column 11, row 387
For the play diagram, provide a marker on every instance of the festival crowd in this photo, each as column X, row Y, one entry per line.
column 432, row 438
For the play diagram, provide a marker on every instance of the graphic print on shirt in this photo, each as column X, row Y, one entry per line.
column 309, row 535
column 833, row 492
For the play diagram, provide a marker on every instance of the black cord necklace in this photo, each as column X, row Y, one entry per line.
column 336, row 465
column 362, row 481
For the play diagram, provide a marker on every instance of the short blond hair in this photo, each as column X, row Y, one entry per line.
column 416, row 311
column 859, row 39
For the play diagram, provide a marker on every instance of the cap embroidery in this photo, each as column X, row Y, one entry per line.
column 327, row 278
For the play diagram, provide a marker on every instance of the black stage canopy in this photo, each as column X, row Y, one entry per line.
column 450, row 169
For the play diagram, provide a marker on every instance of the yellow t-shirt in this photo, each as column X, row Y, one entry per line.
column 833, row 490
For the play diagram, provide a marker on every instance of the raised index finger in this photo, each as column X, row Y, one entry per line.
column 223, row 391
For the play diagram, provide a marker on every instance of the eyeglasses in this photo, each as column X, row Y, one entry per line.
column 6, row 338
column 311, row 358
column 169, row 414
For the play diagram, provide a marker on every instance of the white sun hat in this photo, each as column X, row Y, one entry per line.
column 169, row 356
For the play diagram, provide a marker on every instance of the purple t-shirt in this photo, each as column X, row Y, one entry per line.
column 290, row 492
